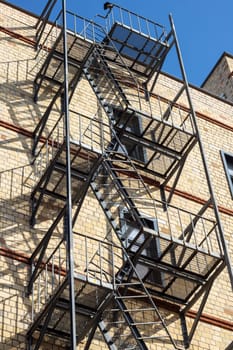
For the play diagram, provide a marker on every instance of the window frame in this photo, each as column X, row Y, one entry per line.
column 125, row 123
column 224, row 156
column 154, row 277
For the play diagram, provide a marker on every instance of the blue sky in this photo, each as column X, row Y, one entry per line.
column 204, row 27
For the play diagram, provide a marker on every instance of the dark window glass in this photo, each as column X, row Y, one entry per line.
column 131, row 123
column 130, row 230
column 227, row 159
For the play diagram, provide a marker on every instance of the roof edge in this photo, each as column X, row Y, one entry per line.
column 224, row 54
column 201, row 89
column 6, row 2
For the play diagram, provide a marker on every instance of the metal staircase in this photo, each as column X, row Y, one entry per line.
column 158, row 145
column 155, row 251
column 131, row 320
column 51, row 160
column 129, row 327
column 130, row 207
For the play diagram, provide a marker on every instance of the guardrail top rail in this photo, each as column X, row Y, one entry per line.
column 133, row 21
column 76, row 25
column 86, row 28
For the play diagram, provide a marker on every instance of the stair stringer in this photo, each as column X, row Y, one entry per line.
column 127, row 275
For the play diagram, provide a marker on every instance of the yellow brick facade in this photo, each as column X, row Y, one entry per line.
column 18, row 176
column 220, row 80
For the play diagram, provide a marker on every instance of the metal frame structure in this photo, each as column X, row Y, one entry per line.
column 121, row 59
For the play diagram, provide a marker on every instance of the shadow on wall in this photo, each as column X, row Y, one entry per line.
column 15, row 313
column 15, row 232
column 15, row 310
column 16, row 96
column 16, row 102
column 16, row 81
column 18, row 237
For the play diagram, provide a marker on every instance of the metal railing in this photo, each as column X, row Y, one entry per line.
column 17, row 181
column 51, row 274
column 135, row 22
column 122, row 191
column 96, row 262
column 91, row 133
column 77, row 26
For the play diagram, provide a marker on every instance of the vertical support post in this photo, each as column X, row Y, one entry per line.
column 214, row 203
column 201, row 308
column 184, row 330
column 69, row 231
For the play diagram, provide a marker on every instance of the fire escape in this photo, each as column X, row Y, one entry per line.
column 134, row 145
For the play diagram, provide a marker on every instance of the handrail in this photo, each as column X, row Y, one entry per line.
column 134, row 21
column 154, row 204
column 86, row 125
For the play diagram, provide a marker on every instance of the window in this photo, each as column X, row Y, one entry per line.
column 130, row 231
column 130, row 122
column 223, row 95
column 227, row 159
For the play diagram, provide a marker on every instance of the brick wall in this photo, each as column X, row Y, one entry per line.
column 220, row 82
column 19, row 116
